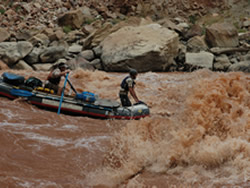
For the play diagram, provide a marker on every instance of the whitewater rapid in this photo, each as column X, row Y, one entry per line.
column 196, row 136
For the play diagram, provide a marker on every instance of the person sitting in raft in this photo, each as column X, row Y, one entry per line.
column 54, row 77
column 127, row 86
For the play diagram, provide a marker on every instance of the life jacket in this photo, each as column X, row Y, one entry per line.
column 55, row 81
column 124, row 83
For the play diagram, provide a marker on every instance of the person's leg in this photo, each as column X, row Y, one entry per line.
column 52, row 87
column 125, row 100
column 59, row 92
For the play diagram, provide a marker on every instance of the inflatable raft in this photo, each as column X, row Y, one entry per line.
column 83, row 104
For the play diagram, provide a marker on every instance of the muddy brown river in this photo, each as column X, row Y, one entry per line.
column 197, row 135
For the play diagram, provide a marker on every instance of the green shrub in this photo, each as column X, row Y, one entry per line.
column 89, row 21
column 115, row 21
column 193, row 19
column 242, row 30
column 67, row 29
column 18, row 8
column 2, row 11
column 236, row 25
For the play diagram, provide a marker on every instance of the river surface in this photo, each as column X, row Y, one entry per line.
column 198, row 135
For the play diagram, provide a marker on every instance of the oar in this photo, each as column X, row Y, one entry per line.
column 72, row 87
column 65, row 82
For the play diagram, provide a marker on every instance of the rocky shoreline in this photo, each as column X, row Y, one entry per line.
column 35, row 35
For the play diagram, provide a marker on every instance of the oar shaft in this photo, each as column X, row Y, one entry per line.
column 60, row 104
column 72, row 87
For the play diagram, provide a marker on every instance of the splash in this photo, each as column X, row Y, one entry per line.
column 204, row 143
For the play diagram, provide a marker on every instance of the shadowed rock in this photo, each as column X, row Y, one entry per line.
column 222, row 35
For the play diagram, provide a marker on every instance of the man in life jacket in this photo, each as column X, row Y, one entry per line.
column 54, row 77
column 127, row 86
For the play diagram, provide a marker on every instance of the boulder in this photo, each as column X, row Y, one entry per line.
column 74, row 36
column 4, row 34
column 39, row 40
column 243, row 66
column 201, row 60
column 88, row 55
column 98, row 35
column 75, row 48
column 145, row 48
column 80, row 62
column 197, row 44
column 84, row 64
column 57, row 35
column 222, row 35
column 166, row 22
column 11, row 52
column 33, row 56
column 52, row 54
column 96, row 63
column 97, row 51
column 22, row 65
column 194, row 30
column 222, row 63
column 74, row 19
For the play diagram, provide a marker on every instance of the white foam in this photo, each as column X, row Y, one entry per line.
column 45, row 139
column 8, row 113
column 69, row 127
column 21, row 126
column 91, row 143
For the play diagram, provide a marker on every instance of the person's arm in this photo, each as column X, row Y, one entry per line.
column 131, row 89
column 133, row 94
column 57, row 73
column 64, row 73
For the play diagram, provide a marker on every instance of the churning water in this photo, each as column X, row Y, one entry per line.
column 198, row 135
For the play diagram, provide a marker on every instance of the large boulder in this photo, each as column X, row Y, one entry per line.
column 99, row 34
column 222, row 35
column 33, row 56
column 11, row 52
column 146, row 48
column 52, row 54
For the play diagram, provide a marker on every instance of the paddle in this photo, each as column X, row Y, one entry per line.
column 72, row 87
column 60, row 104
